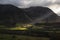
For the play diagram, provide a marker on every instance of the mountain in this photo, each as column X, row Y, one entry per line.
column 57, row 19
column 40, row 14
column 10, row 15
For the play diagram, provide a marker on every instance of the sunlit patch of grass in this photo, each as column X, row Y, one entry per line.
column 24, row 25
column 18, row 28
column 21, row 27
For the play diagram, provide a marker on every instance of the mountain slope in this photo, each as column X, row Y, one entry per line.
column 40, row 14
column 10, row 15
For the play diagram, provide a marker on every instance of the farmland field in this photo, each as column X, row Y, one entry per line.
column 11, row 34
column 20, row 37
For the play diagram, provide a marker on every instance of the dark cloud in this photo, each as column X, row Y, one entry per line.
column 27, row 3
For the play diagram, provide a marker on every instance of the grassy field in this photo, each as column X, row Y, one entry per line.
column 20, row 37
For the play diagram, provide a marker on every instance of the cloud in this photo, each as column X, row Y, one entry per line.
column 27, row 3
column 30, row 2
column 55, row 8
column 13, row 2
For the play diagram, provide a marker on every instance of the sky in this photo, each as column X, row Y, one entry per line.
column 54, row 5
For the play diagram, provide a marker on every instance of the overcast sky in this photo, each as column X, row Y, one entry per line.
column 52, row 4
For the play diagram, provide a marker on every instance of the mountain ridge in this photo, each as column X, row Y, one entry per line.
column 10, row 15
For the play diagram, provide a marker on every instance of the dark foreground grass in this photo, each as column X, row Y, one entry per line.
column 20, row 37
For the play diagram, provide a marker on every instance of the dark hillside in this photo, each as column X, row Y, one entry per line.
column 40, row 14
column 10, row 15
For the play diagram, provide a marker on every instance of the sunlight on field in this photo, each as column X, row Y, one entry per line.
column 27, row 25
column 21, row 27
column 18, row 28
